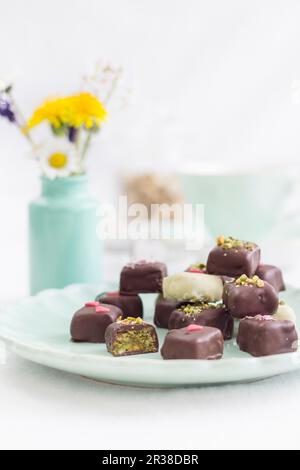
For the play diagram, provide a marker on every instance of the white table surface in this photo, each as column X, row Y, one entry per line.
column 45, row 408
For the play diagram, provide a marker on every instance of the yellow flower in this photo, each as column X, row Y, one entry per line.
column 50, row 111
column 85, row 110
column 79, row 110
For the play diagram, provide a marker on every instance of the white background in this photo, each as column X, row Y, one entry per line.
column 211, row 80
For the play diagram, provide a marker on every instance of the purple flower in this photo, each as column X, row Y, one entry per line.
column 72, row 134
column 6, row 110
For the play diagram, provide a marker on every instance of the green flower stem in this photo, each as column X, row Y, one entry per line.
column 86, row 146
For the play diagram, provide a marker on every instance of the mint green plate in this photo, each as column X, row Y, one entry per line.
column 38, row 330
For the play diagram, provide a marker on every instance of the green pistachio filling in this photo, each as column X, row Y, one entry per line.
column 228, row 243
column 244, row 280
column 131, row 321
column 134, row 341
column 191, row 310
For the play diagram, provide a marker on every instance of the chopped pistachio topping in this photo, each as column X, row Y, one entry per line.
column 142, row 341
column 132, row 321
column 197, row 308
column 244, row 280
column 228, row 243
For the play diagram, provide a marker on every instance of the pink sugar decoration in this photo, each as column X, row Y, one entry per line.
column 195, row 270
column 92, row 304
column 101, row 309
column 113, row 294
column 195, row 328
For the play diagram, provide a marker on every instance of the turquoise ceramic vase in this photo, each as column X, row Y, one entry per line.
column 64, row 247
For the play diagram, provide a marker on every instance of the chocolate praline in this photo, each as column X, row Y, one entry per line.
column 232, row 257
column 131, row 305
column 250, row 297
column 190, row 287
column 163, row 310
column 272, row 275
column 205, row 314
column 90, row 322
column 143, row 277
column 193, row 342
column 130, row 337
column 265, row 335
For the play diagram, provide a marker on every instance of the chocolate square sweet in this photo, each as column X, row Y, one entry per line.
column 232, row 257
column 272, row 275
column 90, row 322
column 131, row 336
column 212, row 314
column 193, row 342
column 248, row 297
column 163, row 309
column 266, row 335
column 131, row 305
column 142, row 277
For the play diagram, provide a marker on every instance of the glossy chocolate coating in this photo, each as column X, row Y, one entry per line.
column 227, row 279
column 207, row 344
column 261, row 336
column 142, row 278
column 250, row 300
column 131, row 305
column 89, row 326
column 120, row 328
column 163, row 310
column 233, row 262
column 216, row 317
column 272, row 275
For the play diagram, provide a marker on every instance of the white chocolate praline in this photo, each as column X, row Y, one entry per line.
column 193, row 286
column 285, row 312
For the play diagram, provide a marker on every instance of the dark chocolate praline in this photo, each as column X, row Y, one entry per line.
column 142, row 277
column 130, row 337
column 213, row 314
column 131, row 305
column 265, row 336
column 90, row 322
column 248, row 297
column 193, row 342
column 163, row 311
column 272, row 275
column 232, row 257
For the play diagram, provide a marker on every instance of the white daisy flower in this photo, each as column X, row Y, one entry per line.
column 58, row 158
